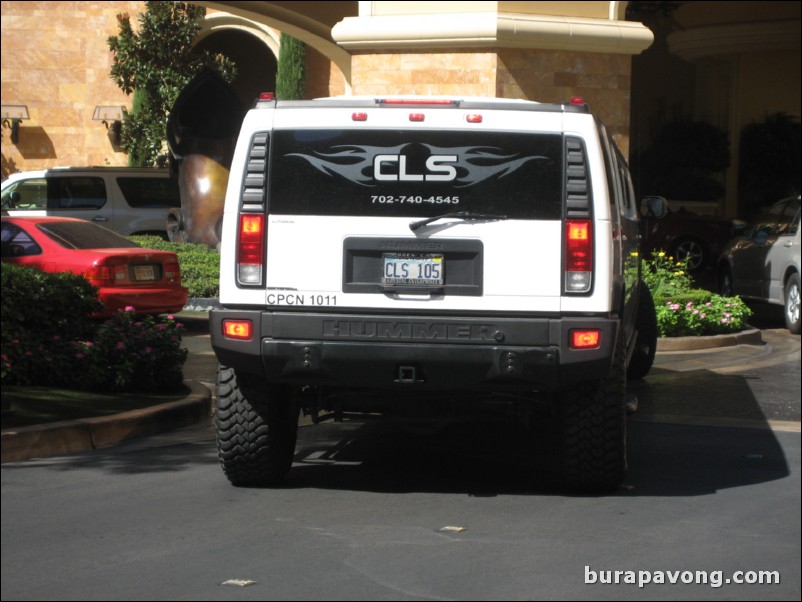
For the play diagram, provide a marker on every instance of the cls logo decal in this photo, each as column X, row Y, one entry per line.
column 438, row 170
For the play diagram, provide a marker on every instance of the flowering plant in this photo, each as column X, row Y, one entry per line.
column 686, row 311
column 131, row 352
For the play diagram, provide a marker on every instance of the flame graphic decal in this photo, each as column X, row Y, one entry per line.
column 475, row 164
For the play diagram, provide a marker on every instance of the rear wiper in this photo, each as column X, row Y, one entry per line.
column 465, row 215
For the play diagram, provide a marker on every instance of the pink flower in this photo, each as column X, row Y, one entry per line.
column 129, row 308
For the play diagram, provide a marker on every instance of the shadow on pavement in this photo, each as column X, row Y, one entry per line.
column 476, row 460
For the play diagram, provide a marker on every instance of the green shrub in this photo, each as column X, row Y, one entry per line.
column 40, row 315
column 686, row 311
column 48, row 337
column 50, row 301
column 291, row 70
column 200, row 264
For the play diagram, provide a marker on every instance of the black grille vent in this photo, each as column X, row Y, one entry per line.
column 577, row 181
column 254, row 184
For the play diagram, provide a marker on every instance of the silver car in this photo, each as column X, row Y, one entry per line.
column 764, row 264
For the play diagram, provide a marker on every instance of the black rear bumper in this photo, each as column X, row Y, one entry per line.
column 412, row 353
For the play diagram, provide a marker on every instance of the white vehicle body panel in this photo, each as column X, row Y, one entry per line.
column 524, row 269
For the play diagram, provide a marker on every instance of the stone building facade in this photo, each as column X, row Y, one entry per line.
column 638, row 64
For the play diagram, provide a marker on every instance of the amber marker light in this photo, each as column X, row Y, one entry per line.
column 585, row 339
column 241, row 330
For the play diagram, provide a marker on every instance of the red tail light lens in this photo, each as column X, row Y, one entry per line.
column 172, row 272
column 251, row 249
column 578, row 256
column 241, row 330
column 107, row 274
column 585, row 339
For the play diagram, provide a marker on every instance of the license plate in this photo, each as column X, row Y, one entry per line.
column 144, row 273
column 412, row 270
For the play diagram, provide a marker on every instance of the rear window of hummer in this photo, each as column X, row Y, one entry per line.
column 405, row 173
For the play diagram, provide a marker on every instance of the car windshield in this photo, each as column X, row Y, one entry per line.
column 84, row 235
column 781, row 218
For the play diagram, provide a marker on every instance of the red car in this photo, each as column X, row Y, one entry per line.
column 687, row 235
column 126, row 274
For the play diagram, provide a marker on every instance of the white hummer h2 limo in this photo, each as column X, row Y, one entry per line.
column 427, row 258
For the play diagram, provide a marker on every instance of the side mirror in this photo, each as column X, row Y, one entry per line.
column 656, row 206
column 12, row 200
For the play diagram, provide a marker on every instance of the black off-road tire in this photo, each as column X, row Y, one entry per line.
column 642, row 358
column 593, row 431
column 257, row 426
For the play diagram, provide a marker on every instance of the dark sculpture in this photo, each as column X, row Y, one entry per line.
column 202, row 131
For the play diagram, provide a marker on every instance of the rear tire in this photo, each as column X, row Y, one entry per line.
column 593, row 431
column 791, row 304
column 646, row 339
column 257, row 426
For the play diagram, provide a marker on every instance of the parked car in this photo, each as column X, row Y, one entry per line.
column 763, row 265
column 128, row 200
column 125, row 273
column 687, row 235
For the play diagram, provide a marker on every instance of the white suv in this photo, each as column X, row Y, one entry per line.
column 428, row 258
column 124, row 199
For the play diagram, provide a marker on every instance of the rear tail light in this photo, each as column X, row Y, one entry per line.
column 251, row 249
column 172, row 272
column 107, row 274
column 578, row 256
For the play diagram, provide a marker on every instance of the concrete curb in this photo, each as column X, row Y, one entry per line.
column 745, row 337
column 61, row 438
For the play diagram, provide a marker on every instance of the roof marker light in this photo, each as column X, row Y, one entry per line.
column 473, row 118
column 418, row 117
column 267, row 96
column 359, row 116
column 577, row 100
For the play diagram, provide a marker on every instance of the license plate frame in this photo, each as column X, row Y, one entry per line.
column 413, row 270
